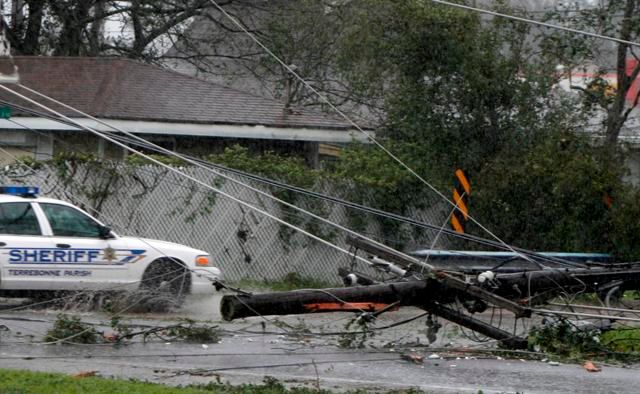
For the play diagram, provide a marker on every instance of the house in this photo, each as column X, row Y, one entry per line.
column 176, row 111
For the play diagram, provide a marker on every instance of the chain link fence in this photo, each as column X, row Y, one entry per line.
column 153, row 202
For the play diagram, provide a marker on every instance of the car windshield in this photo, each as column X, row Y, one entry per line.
column 18, row 218
column 70, row 222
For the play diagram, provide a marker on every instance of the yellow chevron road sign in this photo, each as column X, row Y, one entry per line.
column 461, row 192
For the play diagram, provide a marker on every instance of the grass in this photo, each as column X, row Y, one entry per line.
column 623, row 339
column 565, row 342
column 27, row 382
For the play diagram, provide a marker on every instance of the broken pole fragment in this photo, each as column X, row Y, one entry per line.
column 505, row 338
column 481, row 293
column 394, row 256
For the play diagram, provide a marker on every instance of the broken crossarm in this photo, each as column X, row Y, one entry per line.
column 485, row 295
column 507, row 339
column 403, row 260
column 408, row 262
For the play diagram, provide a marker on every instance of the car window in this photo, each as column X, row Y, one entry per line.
column 70, row 222
column 18, row 218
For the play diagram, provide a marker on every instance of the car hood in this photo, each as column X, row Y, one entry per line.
column 165, row 246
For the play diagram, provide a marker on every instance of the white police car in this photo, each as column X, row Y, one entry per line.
column 48, row 244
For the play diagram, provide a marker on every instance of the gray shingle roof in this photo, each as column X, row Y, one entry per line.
column 117, row 88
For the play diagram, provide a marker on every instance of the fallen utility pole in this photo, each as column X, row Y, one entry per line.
column 306, row 301
column 432, row 294
column 427, row 294
column 436, row 289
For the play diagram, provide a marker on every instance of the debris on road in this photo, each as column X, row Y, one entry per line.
column 412, row 357
column 453, row 295
column 591, row 367
column 84, row 374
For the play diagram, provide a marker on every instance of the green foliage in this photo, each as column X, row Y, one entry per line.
column 552, row 196
column 294, row 280
column 69, row 329
column 191, row 331
column 625, row 224
column 84, row 175
column 463, row 93
column 461, row 90
column 28, row 161
column 288, row 169
column 270, row 385
column 623, row 339
column 291, row 281
column 357, row 339
column 565, row 340
column 27, row 382
column 368, row 176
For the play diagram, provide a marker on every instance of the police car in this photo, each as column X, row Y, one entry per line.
column 48, row 244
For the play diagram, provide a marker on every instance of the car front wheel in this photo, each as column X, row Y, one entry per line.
column 164, row 285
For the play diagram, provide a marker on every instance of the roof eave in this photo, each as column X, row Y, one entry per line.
column 264, row 132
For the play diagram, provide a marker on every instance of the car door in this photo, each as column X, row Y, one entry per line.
column 86, row 257
column 21, row 239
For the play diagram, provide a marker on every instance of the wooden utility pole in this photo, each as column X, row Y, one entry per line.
column 516, row 292
column 427, row 294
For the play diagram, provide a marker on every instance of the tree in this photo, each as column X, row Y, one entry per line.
column 479, row 94
column 304, row 34
column 177, row 32
column 77, row 27
column 614, row 18
column 463, row 88
column 557, row 196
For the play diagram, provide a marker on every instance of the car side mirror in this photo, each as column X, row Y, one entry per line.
column 104, row 232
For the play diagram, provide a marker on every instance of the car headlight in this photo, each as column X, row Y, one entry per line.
column 204, row 261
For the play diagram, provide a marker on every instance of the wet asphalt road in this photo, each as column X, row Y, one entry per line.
column 247, row 355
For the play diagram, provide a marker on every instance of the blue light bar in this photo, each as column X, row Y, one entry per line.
column 23, row 191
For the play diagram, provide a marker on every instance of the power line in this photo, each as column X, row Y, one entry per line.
column 261, row 192
column 535, row 22
column 140, row 142
column 360, row 129
column 172, row 169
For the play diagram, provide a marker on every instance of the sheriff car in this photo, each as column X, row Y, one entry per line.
column 48, row 244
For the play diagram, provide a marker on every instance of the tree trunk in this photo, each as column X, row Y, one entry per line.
column 616, row 112
column 31, row 42
column 74, row 21
column 96, row 32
